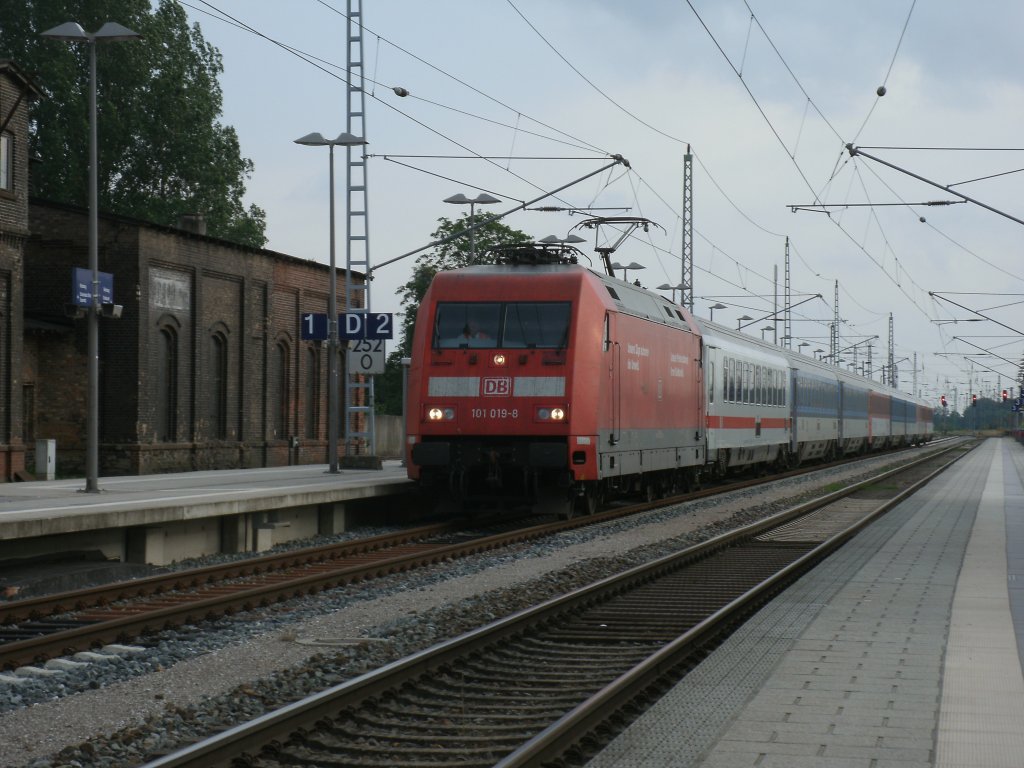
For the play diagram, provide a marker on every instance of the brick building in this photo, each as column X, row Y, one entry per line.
column 203, row 370
column 16, row 92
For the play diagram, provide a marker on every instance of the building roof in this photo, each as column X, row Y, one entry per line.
column 19, row 76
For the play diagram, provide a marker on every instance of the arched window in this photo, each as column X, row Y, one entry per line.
column 167, row 386
column 281, row 391
column 312, row 410
column 219, row 386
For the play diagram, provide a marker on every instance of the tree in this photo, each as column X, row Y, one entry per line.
column 453, row 254
column 162, row 151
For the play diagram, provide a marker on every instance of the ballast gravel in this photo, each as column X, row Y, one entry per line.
column 176, row 688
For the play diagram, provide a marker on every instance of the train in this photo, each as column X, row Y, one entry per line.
column 543, row 382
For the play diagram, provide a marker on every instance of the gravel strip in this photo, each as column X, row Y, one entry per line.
column 191, row 681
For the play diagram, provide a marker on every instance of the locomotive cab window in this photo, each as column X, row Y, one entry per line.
column 516, row 325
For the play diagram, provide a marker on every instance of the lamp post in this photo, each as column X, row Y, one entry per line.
column 713, row 307
column 817, row 353
column 110, row 32
column 741, row 320
column 344, row 140
column 482, row 199
column 801, row 345
column 766, row 328
column 673, row 288
column 625, row 268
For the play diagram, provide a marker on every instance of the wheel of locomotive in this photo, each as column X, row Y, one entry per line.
column 557, row 505
column 589, row 503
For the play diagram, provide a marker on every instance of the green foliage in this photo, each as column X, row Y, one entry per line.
column 452, row 254
column 987, row 414
column 162, row 151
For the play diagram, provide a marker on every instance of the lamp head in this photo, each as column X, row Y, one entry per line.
column 312, row 140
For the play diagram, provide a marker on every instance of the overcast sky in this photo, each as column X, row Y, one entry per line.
column 766, row 93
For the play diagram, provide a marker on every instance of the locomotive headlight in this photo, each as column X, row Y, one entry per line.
column 498, row 359
column 551, row 414
column 441, row 414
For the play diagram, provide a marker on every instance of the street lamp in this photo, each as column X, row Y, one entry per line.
column 482, row 199
column 713, row 307
column 556, row 240
column 741, row 320
column 766, row 328
column 801, row 345
column 345, row 140
column 673, row 288
column 625, row 268
column 817, row 353
column 110, row 32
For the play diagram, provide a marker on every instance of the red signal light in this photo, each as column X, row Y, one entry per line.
column 943, row 401
column 974, row 399
column 1006, row 395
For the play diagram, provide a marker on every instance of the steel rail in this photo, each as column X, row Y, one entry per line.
column 276, row 726
column 566, row 732
column 194, row 607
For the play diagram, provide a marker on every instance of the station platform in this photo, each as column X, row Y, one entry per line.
column 902, row 650
column 158, row 518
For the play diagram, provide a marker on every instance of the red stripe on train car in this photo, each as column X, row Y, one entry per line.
column 745, row 422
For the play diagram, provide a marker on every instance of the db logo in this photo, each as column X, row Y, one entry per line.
column 498, row 387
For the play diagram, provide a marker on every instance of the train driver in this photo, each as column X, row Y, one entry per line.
column 472, row 333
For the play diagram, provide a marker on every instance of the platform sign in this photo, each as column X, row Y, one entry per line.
column 366, row 356
column 313, row 326
column 81, row 287
column 366, row 325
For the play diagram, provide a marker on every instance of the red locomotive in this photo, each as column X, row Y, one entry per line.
column 539, row 381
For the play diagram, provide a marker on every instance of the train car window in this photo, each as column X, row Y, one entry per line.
column 460, row 324
column 540, row 325
column 757, row 385
column 711, row 383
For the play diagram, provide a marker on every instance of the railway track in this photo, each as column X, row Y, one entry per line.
column 544, row 684
column 35, row 630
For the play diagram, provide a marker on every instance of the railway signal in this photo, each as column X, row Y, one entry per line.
column 943, row 401
column 1006, row 395
column 974, row 399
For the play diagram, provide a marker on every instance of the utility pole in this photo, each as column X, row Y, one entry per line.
column 775, row 304
column 787, row 328
column 357, row 259
column 687, row 282
column 894, row 378
column 834, row 331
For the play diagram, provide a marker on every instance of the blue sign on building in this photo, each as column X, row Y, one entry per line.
column 81, row 287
